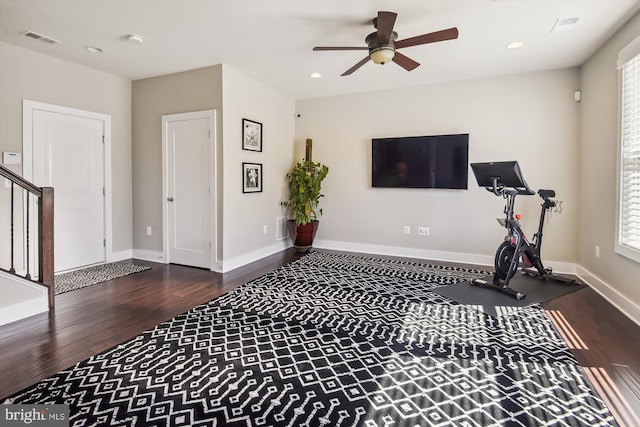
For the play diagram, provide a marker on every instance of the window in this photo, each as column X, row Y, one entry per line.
column 629, row 216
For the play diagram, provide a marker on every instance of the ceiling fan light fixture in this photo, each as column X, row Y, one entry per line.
column 382, row 55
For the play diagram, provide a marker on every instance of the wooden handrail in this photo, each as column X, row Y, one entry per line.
column 17, row 179
column 45, row 247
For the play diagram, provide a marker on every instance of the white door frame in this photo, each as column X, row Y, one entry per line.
column 28, row 108
column 213, row 193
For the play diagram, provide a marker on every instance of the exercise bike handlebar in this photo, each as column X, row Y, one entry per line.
column 500, row 190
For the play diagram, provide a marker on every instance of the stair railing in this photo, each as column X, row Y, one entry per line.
column 22, row 194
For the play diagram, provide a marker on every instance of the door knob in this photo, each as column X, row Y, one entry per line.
column 169, row 199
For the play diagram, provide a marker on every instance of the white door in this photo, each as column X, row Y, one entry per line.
column 187, row 144
column 68, row 155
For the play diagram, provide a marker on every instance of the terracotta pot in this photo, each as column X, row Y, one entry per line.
column 302, row 236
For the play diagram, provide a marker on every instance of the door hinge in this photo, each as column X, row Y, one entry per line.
column 103, row 192
column 104, row 242
column 103, row 139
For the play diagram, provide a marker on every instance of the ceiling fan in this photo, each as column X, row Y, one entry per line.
column 382, row 43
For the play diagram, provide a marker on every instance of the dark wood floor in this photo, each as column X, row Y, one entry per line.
column 90, row 320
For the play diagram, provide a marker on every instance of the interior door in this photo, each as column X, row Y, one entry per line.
column 187, row 152
column 68, row 155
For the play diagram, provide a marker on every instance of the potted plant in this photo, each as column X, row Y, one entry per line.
column 305, row 181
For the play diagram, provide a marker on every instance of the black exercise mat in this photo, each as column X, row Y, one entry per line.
column 537, row 291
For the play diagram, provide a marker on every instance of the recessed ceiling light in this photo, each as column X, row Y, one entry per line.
column 93, row 49
column 515, row 45
column 315, row 75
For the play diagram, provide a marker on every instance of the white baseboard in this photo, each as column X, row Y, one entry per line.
column 250, row 257
column 404, row 252
column 622, row 303
column 153, row 256
column 426, row 254
column 120, row 256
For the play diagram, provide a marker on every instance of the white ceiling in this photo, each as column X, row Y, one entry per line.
column 272, row 40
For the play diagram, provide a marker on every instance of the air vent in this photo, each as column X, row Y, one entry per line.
column 41, row 37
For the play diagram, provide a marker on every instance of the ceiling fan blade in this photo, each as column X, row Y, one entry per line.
column 340, row 48
column 355, row 67
column 404, row 61
column 438, row 36
column 384, row 24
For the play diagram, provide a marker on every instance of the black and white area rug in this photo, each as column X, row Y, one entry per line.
column 334, row 340
column 93, row 275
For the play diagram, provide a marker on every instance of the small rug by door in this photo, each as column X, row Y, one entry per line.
column 97, row 274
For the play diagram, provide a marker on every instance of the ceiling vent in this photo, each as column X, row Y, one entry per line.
column 41, row 37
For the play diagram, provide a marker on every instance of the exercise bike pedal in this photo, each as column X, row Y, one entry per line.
column 498, row 287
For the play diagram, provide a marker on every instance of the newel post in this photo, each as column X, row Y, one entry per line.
column 308, row 150
column 45, row 248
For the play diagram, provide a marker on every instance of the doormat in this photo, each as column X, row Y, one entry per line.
column 97, row 274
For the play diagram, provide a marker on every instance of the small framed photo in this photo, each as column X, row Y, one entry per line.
column 251, row 135
column 251, row 177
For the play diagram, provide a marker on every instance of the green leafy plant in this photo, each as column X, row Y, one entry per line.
column 305, row 180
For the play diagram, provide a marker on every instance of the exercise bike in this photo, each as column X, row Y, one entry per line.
column 505, row 179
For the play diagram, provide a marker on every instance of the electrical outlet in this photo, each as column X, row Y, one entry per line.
column 597, row 251
column 406, row 230
column 265, row 229
column 149, row 231
column 423, row 231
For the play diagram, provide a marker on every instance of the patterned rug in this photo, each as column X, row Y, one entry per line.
column 93, row 275
column 335, row 340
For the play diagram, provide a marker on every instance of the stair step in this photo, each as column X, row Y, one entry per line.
column 20, row 299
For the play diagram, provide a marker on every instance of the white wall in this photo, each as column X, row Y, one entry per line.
column 599, row 123
column 25, row 74
column 246, row 214
column 531, row 118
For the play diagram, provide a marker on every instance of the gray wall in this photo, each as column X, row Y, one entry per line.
column 194, row 90
column 241, row 217
column 599, row 130
column 29, row 75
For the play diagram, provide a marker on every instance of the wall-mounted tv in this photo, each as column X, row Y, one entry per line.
column 438, row 161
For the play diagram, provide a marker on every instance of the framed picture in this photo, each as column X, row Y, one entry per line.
column 251, row 177
column 251, row 135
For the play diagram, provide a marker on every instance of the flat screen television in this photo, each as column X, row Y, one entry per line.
column 438, row 161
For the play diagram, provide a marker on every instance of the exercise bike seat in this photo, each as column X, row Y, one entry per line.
column 545, row 194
